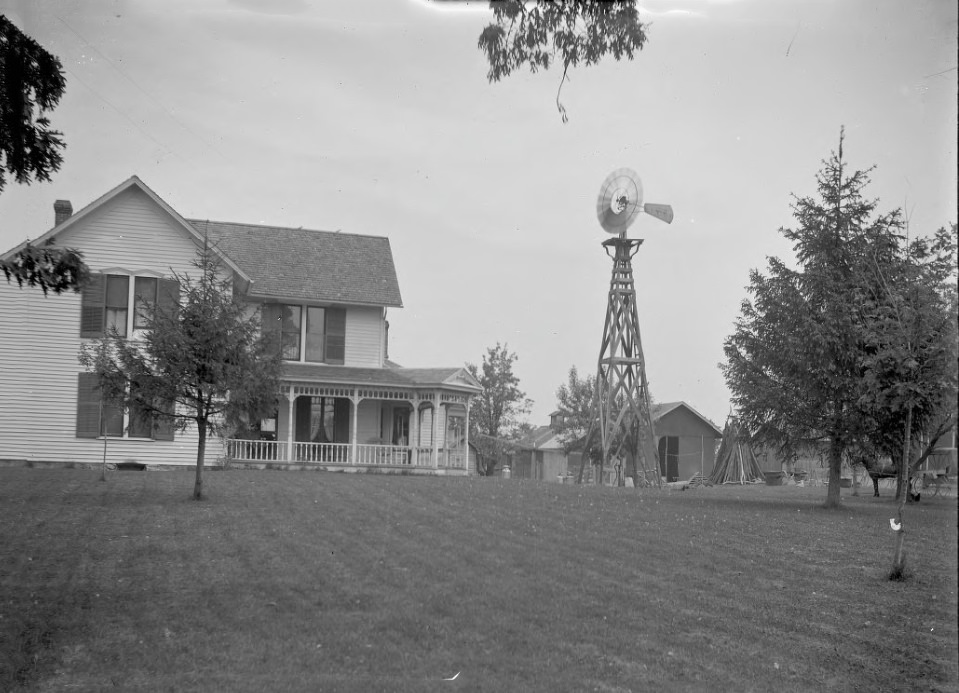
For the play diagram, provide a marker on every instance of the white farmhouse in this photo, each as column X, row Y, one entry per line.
column 343, row 404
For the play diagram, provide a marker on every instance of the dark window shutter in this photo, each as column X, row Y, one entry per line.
column 91, row 306
column 140, row 423
column 168, row 297
column 163, row 430
column 88, row 406
column 335, row 335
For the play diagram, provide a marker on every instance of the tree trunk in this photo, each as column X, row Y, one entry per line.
column 899, row 560
column 200, row 452
column 835, row 473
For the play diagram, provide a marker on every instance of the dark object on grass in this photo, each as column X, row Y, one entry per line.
column 131, row 466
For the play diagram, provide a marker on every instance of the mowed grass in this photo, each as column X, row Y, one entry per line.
column 287, row 581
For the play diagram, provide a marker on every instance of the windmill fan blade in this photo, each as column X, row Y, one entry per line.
column 620, row 200
column 662, row 212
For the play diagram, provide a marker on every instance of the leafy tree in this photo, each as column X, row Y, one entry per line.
column 495, row 414
column 796, row 359
column 204, row 362
column 911, row 354
column 572, row 33
column 576, row 403
column 31, row 85
column 911, row 359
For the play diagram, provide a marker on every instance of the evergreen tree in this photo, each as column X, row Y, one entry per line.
column 795, row 362
column 31, row 85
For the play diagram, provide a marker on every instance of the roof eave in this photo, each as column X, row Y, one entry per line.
column 328, row 301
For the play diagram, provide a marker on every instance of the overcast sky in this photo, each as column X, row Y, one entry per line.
column 375, row 117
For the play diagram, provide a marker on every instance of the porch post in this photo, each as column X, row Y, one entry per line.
column 355, row 400
column 415, row 431
column 435, row 430
column 467, row 433
column 289, row 426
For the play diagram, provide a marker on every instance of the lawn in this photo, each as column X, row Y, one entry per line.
column 298, row 581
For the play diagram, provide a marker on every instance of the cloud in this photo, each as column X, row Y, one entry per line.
column 286, row 7
column 454, row 5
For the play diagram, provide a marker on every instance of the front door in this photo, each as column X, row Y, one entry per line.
column 401, row 427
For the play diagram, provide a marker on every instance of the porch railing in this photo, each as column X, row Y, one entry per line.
column 342, row 454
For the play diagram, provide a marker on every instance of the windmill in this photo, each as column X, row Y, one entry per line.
column 621, row 415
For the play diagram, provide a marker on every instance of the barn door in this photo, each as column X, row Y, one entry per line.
column 669, row 457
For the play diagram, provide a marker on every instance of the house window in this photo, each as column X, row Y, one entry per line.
column 284, row 322
column 117, row 300
column 112, row 302
column 323, row 334
column 315, row 333
column 144, row 301
column 96, row 419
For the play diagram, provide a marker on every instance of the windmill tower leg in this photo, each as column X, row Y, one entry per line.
column 622, row 394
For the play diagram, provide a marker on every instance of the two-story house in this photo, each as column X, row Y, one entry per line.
column 343, row 403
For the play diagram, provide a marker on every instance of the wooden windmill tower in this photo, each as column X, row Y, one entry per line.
column 621, row 415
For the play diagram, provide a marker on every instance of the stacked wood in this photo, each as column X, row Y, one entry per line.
column 736, row 463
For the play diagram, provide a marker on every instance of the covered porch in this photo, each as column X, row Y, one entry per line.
column 405, row 428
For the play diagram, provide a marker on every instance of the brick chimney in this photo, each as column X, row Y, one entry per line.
column 62, row 209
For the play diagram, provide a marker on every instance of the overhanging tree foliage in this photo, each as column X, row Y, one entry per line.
column 47, row 267
column 539, row 34
column 495, row 413
column 31, row 85
column 796, row 360
column 204, row 362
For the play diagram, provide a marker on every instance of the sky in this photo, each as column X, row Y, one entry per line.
column 377, row 118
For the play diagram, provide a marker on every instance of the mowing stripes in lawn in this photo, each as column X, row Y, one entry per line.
column 320, row 581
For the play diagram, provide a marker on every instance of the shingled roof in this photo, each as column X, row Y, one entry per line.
column 325, row 266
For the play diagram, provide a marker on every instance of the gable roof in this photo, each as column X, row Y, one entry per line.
column 329, row 267
column 324, row 266
column 661, row 409
column 544, row 437
column 131, row 182
column 539, row 438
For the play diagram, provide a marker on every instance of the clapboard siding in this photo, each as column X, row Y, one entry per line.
column 134, row 234
column 364, row 337
column 39, row 340
column 368, row 421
